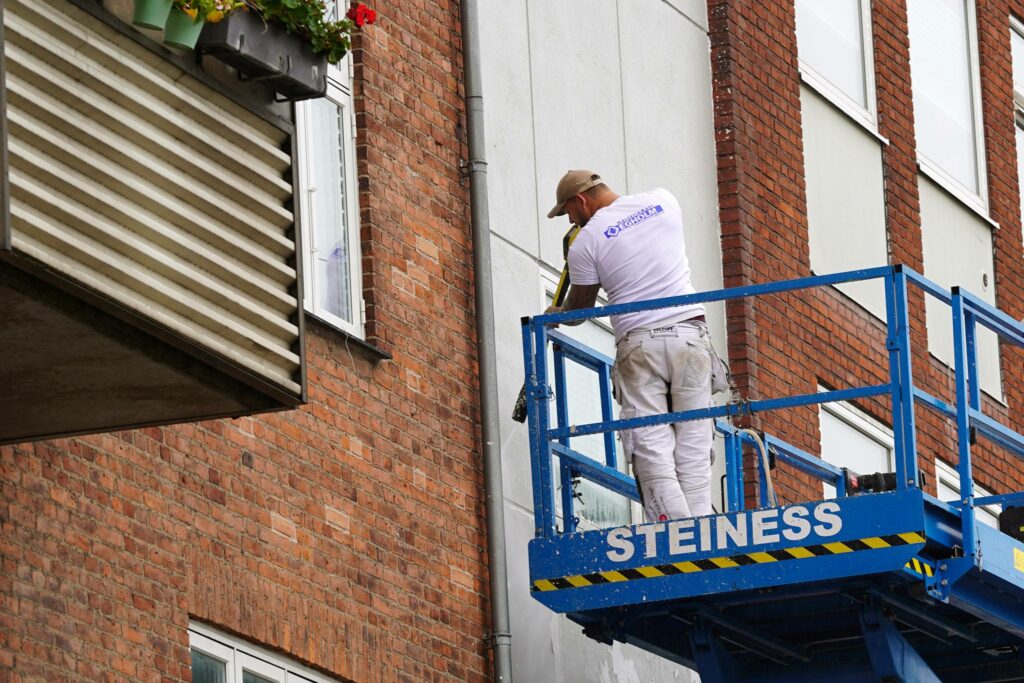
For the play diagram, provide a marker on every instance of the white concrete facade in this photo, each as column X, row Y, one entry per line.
column 624, row 88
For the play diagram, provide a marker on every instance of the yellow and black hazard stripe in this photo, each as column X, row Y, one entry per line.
column 919, row 567
column 727, row 562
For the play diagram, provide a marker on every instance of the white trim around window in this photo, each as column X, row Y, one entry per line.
column 1017, row 57
column 863, row 423
column 240, row 658
column 327, row 199
column 860, row 423
column 977, row 199
column 864, row 113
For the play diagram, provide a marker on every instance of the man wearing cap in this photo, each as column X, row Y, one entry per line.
column 633, row 247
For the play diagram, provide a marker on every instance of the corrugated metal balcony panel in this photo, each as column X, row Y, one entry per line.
column 144, row 83
column 34, row 80
column 146, row 187
column 150, row 188
column 110, row 274
column 176, row 272
column 239, row 269
column 254, row 211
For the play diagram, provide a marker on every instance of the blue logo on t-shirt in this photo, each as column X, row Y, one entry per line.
column 633, row 219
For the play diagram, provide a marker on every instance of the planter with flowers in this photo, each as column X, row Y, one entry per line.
column 188, row 17
column 182, row 20
column 286, row 44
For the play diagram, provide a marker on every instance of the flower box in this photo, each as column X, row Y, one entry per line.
column 266, row 52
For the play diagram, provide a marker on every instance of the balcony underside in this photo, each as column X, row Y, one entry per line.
column 69, row 367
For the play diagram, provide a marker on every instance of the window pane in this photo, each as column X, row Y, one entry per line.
column 332, row 11
column 948, row 490
column 1020, row 162
column 595, row 504
column 325, row 150
column 206, row 669
column 940, row 66
column 1017, row 45
column 830, row 41
column 250, row 677
column 844, row 445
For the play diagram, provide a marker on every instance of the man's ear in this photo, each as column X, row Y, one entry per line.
column 584, row 202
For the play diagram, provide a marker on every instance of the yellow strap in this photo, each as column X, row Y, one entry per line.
column 563, row 281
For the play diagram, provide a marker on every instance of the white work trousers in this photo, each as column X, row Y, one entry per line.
column 657, row 371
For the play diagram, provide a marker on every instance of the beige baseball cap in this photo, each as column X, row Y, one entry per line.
column 571, row 184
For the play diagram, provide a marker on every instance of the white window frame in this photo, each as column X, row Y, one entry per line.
column 1018, row 107
column 339, row 91
column 948, row 476
column 866, row 425
column 866, row 116
column 1017, row 27
column 978, row 202
column 549, row 283
column 239, row 656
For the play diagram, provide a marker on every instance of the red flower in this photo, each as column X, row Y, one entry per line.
column 360, row 14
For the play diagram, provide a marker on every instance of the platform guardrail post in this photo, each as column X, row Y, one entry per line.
column 543, row 482
column 901, row 377
column 964, row 366
column 610, row 456
column 565, row 470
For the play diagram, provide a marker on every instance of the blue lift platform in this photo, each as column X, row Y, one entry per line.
column 888, row 586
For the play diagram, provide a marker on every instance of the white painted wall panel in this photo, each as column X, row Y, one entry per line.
column 518, row 292
column 845, row 198
column 668, row 123
column 957, row 252
column 508, row 113
column 577, row 102
column 695, row 11
column 623, row 88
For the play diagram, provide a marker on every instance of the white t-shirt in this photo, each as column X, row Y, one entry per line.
column 634, row 249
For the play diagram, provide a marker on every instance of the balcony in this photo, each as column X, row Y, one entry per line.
column 148, row 257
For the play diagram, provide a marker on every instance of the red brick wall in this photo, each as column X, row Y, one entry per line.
column 348, row 534
column 762, row 202
column 787, row 344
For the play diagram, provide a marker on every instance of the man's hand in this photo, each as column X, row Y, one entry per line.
column 580, row 296
column 552, row 309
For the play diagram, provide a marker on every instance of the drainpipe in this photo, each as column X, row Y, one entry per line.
column 501, row 635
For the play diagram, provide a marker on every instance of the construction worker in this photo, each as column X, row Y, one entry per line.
column 633, row 247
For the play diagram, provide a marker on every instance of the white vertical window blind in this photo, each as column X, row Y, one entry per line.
column 833, row 40
column 1020, row 157
column 1017, row 51
column 943, row 65
column 330, row 226
column 851, row 439
column 1017, row 48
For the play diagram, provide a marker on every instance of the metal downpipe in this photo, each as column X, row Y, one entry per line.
column 501, row 636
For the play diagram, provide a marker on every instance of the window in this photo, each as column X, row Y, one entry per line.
column 597, row 507
column 219, row 658
column 947, row 484
column 842, row 164
column 851, row 439
column 1017, row 46
column 834, row 40
column 947, row 96
column 329, row 219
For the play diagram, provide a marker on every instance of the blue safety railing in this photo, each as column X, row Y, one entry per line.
column 548, row 442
